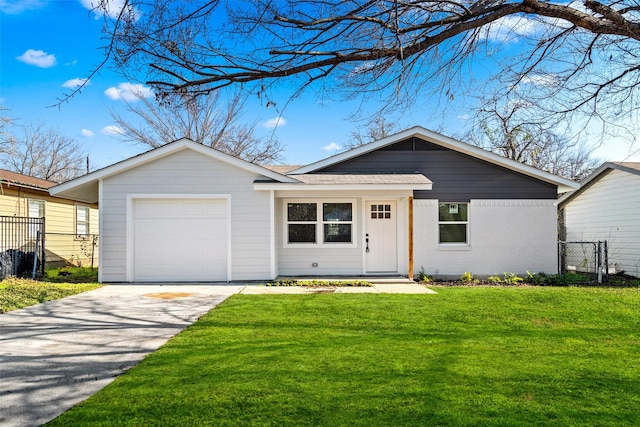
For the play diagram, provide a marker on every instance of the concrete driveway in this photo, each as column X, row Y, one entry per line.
column 57, row 354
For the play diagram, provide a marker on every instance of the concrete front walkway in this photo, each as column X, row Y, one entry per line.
column 57, row 354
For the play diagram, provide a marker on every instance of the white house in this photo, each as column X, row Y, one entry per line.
column 414, row 200
column 607, row 207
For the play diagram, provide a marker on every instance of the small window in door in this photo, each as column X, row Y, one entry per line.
column 380, row 211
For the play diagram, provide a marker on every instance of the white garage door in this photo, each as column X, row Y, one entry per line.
column 182, row 240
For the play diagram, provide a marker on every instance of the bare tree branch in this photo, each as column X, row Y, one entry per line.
column 202, row 118
column 398, row 49
column 44, row 153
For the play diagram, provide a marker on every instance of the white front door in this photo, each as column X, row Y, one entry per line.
column 381, row 237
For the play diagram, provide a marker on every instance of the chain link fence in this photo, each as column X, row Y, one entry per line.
column 584, row 259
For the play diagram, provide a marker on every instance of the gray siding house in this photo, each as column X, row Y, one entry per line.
column 413, row 201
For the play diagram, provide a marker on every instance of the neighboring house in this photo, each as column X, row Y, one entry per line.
column 65, row 220
column 414, row 200
column 607, row 207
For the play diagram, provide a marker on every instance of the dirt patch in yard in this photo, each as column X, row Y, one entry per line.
column 169, row 295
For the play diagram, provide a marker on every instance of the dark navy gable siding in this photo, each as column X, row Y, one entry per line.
column 456, row 176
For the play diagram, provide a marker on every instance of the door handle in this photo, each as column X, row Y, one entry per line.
column 367, row 241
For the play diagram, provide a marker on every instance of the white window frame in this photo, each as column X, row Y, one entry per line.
column 319, row 223
column 466, row 223
column 87, row 222
column 42, row 206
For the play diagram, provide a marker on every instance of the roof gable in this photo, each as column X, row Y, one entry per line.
column 85, row 188
column 562, row 184
column 595, row 176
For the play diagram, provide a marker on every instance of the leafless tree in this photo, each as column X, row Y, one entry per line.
column 379, row 127
column 43, row 153
column 203, row 119
column 580, row 56
column 5, row 122
column 511, row 132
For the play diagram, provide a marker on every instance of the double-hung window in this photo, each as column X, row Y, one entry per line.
column 36, row 210
column 319, row 222
column 82, row 220
column 453, row 222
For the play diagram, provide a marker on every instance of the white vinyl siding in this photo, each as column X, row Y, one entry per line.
column 336, row 260
column 504, row 235
column 189, row 172
column 609, row 210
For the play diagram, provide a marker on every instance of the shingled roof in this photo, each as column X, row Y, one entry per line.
column 24, row 181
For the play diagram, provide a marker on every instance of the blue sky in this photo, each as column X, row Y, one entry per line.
column 47, row 44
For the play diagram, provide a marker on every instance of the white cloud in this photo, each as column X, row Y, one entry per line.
column 331, row 147
column 87, row 133
column 129, row 92
column 38, row 58
column 510, row 28
column 540, row 80
column 464, row 117
column 111, row 130
column 113, row 8
column 72, row 63
column 73, row 83
column 276, row 121
column 14, row 7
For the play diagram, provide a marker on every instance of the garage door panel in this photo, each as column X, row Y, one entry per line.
column 180, row 240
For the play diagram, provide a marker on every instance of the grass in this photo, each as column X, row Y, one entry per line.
column 463, row 357
column 20, row 293
column 71, row 274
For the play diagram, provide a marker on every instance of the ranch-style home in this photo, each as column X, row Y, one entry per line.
column 607, row 207
column 412, row 201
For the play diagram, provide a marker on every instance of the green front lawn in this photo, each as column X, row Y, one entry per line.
column 18, row 293
column 466, row 356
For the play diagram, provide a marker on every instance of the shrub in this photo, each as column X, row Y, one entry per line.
column 535, row 278
column 494, row 280
column 317, row 283
column 423, row 277
column 512, row 278
column 466, row 277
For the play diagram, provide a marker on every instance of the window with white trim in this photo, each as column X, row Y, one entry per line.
column 82, row 220
column 319, row 222
column 36, row 210
column 453, row 222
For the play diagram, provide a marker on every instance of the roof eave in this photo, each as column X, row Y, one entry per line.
column 337, row 187
column 21, row 185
